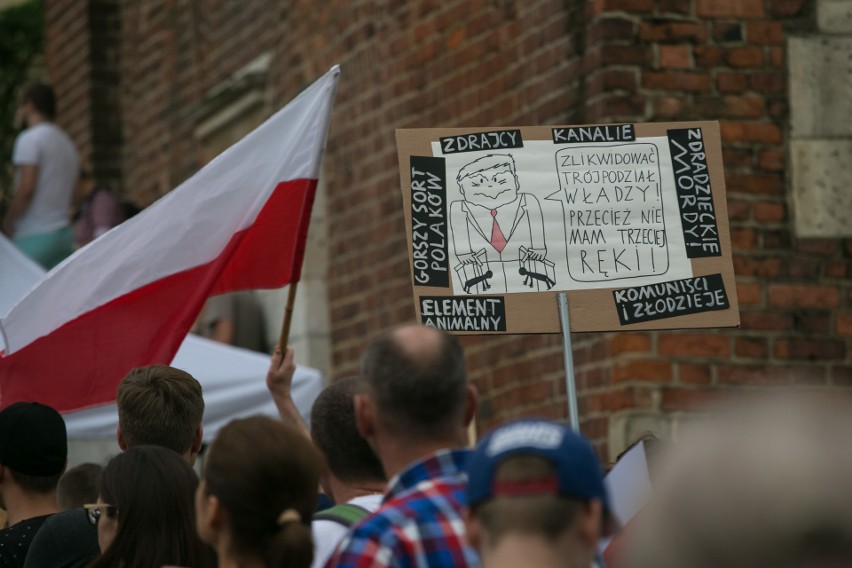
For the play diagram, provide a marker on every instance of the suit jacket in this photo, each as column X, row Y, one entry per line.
column 525, row 230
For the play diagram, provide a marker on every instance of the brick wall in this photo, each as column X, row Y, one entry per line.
column 501, row 62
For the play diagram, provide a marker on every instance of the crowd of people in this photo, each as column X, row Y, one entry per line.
column 384, row 477
column 56, row 205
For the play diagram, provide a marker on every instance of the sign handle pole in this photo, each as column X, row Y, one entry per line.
column 568, row 355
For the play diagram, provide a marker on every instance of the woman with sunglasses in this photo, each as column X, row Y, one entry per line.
column 257, row 494
column 144, row 513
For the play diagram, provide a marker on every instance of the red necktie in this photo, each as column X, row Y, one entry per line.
column 498, row 241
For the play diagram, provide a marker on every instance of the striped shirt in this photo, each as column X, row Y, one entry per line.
column 419, row 523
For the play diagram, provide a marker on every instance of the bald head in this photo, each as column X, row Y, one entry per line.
column 417, row 378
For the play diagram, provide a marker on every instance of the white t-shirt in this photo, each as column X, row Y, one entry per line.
column 45, row 145
column 328, row 534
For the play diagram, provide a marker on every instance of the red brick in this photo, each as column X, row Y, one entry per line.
column 743, row 238
column 774, row 160
column 675, row 6
column 762, row 320
column 740, row 9
column 676, row 81
column 729, row 82
column 751, row 347
column 629, row 5
column 759, row 266
column 693, row 374
column 818, row 247
column 685, row 345
column 759, row 132
column 810, row 349
column 738, row 210
column 836, row 269
column 803, row 268
column 814, row 296
column 744, row 106
column 675, row 57
column 770, row 212
column 765, row 33
column 690, row 399
column 615, row 400
column 844, row 324
column 642, row 370
column 749, row 293
column 672, row 31
column 745, row 57
column 612, row 28
column 624, row 79
column 707, row 56
column 625, row 55
column 786, row 8
column 668, row 107
column 779, row 239
column 736, row 158
column 777, row 56
column 813, row 323
column 769, row 82
column 754, row 374
column 630, row 343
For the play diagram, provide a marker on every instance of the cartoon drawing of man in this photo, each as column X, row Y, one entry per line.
column 497, row 231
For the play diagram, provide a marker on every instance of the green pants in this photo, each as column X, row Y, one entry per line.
column 47, row 249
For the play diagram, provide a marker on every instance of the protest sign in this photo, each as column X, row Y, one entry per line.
column 629, row 219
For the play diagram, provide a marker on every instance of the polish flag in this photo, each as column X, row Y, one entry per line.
column 129, row 298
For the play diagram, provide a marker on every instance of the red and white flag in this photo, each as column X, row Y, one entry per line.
column 129, row 298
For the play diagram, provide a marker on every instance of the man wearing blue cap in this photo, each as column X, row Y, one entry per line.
column 536, row 497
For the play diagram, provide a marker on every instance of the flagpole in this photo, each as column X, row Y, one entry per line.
column 288, row 317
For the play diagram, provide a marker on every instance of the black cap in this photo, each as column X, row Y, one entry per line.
column 33, row 439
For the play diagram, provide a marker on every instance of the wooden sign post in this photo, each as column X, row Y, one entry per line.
column 629, row 221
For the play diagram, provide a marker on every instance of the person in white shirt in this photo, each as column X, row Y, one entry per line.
column 47, row 171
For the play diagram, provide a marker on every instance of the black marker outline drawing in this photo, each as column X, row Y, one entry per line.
column 492, row 223
column 478, row 280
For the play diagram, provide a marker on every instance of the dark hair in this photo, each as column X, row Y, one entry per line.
column 153, row 491
column 161, row 406
column 548, row 516
column 350, row 458
column 258, row 468
column 35, row 483
column 42, row 98
column 421, row 390
column 78, row 486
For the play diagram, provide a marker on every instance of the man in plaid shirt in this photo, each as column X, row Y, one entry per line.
column 415, row 414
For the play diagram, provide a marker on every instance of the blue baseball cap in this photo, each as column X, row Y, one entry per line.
column 578, row 471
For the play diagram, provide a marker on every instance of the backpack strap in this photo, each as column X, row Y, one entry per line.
column 346, row 514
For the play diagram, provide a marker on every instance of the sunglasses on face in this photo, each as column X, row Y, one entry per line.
column 95, row 510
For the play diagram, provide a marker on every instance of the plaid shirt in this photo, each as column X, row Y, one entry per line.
column 419, row 523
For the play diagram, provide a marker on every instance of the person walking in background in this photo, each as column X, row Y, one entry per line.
column 46, row 174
